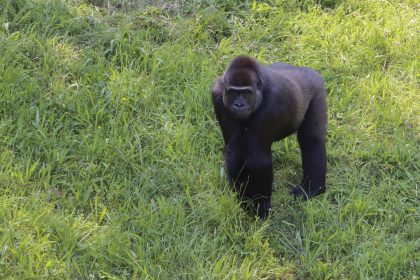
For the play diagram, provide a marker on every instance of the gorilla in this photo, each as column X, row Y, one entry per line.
column 258, row 104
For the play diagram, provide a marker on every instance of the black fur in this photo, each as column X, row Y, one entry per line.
column 293, row 100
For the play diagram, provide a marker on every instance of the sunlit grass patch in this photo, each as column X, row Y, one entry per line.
column 111, row 158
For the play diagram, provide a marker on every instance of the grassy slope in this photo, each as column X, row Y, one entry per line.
column 111, row 156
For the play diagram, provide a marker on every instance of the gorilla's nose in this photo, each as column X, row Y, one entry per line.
column 238, row 106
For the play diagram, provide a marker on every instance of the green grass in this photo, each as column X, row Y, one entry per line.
column 111, row 158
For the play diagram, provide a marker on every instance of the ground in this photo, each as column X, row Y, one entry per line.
column 111, row 157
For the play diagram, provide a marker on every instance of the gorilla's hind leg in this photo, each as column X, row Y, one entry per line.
column 311, row 136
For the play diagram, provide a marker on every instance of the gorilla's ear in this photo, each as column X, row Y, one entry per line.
column 223, row 82
column 259, row 70
column 218, row 88
column 260, row 83
column 260, row 78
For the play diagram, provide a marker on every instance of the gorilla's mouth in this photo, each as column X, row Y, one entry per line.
column 240, row 114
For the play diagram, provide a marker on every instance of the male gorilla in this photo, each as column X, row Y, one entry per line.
column 258, row 104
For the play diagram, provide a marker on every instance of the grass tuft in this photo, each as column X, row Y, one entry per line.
column 111, row 161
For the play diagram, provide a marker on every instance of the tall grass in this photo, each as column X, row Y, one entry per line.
column 111, row 161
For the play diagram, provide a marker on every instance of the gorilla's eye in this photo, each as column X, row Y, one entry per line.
column 231, row 91
column 244, row 91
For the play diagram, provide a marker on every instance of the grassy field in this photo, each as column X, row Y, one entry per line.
column 111, row 158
